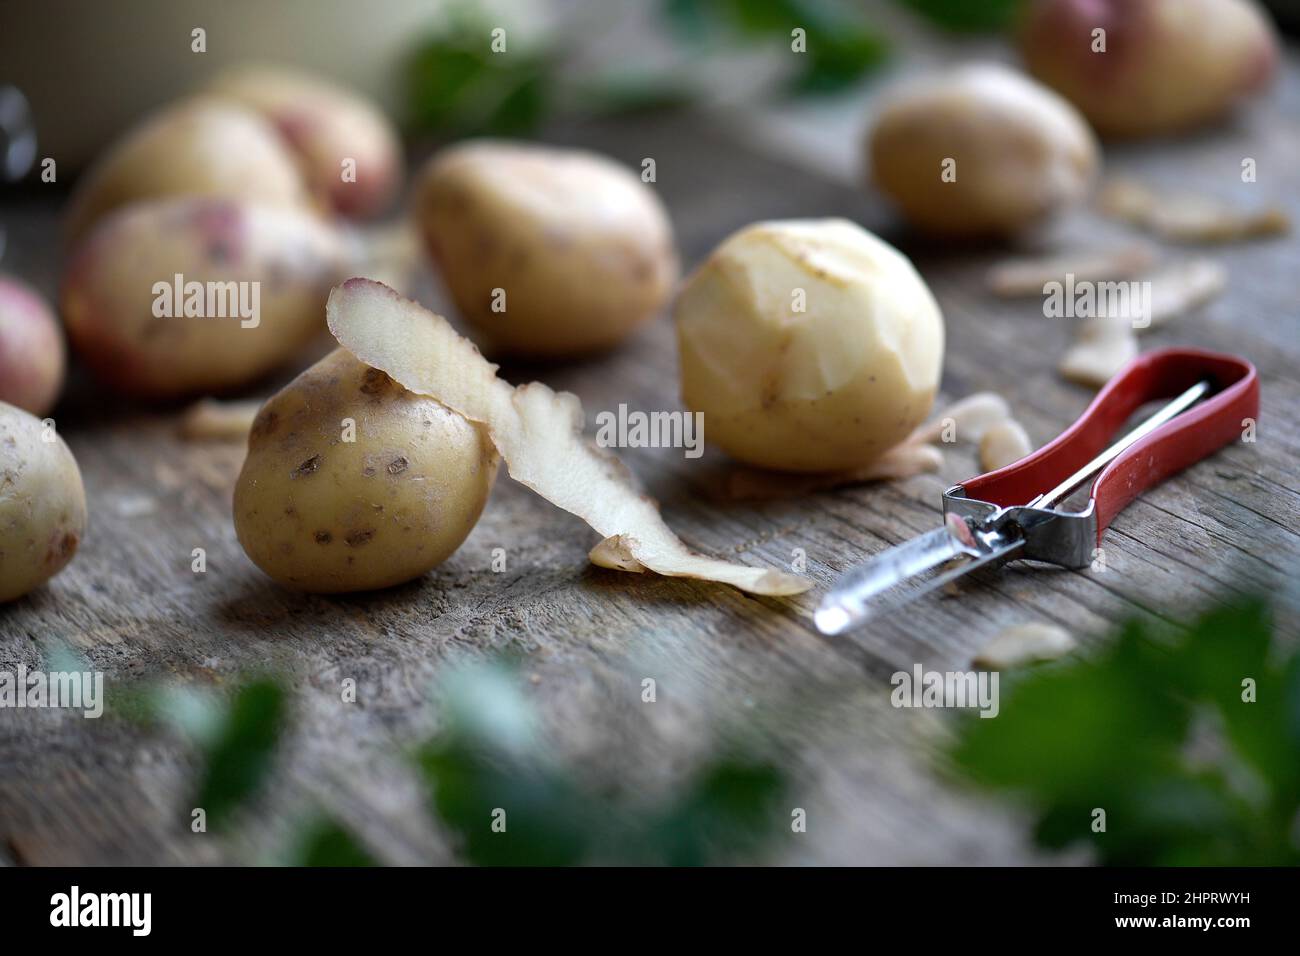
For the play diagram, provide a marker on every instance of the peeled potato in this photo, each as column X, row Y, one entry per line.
column 547, row 252
column 828, row 388
column 980, row 150
column 113, row 287
column 320, row 512
column 1167, row 65
column 42, row 503
column 346, row 148
column 31, row 349
column 202, row 147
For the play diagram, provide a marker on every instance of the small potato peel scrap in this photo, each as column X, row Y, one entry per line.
column 1028, row 643
column 969, row 419
column 537, row 431
column 1189, row 218
column 1028, row 276
column 209, row 419
column 1004, row 443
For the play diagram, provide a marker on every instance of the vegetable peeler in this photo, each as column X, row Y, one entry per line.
column 1006, row 515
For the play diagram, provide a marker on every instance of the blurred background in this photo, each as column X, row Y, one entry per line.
column 89, row 70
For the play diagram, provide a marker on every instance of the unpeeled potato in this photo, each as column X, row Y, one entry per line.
column 31, row 349
column 201, row 147
column 111, row 291
column 1168, row 65
column 808, row 345
column 329, row 507
column 547, row 252
column 42, row 503
column 979, row 150
column 327, row 128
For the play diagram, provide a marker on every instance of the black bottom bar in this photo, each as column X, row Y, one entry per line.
column 240, row 906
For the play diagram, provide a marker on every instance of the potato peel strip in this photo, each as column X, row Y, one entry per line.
column 221, row 421
column 537, row 431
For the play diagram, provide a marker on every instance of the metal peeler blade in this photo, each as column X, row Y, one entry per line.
column 856, row 596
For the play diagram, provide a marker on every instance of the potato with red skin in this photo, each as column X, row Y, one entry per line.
column 122, row 274
column 1168, row 65
column 199, row 147
column 324, row 510
column 324, row 125
column 31, row 349
column 42, row 503
column 548, row 253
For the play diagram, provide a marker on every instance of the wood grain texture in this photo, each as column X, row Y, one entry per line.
column 83, row 791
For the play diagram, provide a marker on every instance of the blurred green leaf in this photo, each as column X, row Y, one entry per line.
column 458, row 83
column 1061, row 739
column 61, row 656
column 240, row 754
column 840, row 45
column 475, row 791
column 197, row 713
column 837, row 58
column 730, row 810
column 968, row 16
column 768, row 17
column 1227, row 647
column 1125, row 732
column 692, row 21
column 327, row 843
column 485, row 768
column 521, row 108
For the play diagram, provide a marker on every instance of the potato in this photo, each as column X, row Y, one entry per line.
column 42, row 503
column 325, row 126
column 320, row 512
column 1168, row 65
column 203, row 147
column 547, row 252
column 808, row 345
column 980, row 151
column 31, row 349
column 268, row 270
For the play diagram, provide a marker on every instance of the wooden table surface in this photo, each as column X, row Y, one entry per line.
column 78, row 791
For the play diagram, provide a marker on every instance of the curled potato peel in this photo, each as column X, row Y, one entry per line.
column 537, row 431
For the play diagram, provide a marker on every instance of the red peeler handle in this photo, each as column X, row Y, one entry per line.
column 1187, row 438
